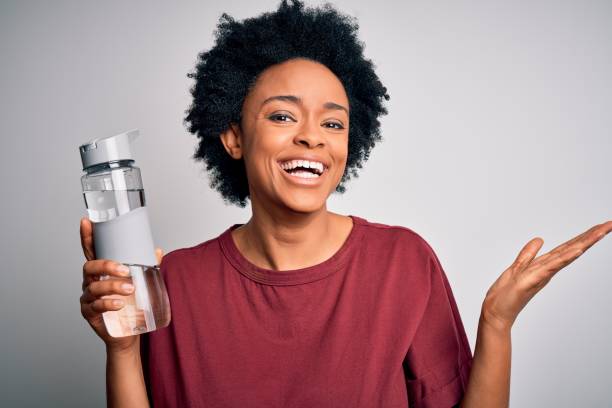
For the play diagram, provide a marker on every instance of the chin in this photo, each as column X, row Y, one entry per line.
column 305, row 203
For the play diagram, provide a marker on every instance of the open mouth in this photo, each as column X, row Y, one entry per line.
column 303, row 169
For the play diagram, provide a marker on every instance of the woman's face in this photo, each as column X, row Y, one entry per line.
column 297, row 110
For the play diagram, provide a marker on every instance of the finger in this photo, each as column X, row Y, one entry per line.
column 527, row 254
column 89, row 310
column 545, row 269
column 563, row 259
column 540, row 275
column 606, row 228
column 159, row 254
column 581, row 242
column 95, row 290
column 93, row 270
column 87, row 239
column 596, row 230
column 560, row 260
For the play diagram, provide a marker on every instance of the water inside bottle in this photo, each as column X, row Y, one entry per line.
column 146, row 309
column 108, row 204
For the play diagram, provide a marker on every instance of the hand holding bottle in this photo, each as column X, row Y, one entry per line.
column 93, row 300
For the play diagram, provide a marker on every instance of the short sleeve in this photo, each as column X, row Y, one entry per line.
column 439, row 359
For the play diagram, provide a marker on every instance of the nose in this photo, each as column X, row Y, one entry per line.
column 310, row 135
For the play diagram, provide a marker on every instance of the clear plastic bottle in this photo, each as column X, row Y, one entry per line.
column 116, row 205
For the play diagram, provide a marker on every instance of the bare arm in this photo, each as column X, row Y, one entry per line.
column 489, row 382
column 125, row 385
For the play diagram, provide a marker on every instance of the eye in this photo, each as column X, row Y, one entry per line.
column 276, row 116
column 340, row 127
column 279, row 115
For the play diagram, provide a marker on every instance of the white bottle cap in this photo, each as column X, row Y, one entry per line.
column 107, row 149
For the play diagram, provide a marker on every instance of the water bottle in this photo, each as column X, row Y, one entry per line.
column 115, row 202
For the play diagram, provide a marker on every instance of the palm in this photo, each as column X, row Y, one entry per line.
column 518, row 284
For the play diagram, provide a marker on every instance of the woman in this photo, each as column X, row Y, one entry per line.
column 302, row 307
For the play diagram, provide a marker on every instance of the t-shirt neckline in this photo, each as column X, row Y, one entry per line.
column 293, row 276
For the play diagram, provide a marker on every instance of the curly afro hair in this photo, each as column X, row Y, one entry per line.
column 225, row 74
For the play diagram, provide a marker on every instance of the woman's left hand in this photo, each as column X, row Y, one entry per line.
column 527, row 276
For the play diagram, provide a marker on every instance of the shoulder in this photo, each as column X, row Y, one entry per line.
column 399, row 254
column 394, row 237
column 188, row 255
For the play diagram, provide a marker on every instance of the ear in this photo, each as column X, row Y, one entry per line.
column 231, row 139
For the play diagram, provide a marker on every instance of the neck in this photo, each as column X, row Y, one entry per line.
column 286, row 240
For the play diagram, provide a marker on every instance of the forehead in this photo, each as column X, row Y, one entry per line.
column 311, row 81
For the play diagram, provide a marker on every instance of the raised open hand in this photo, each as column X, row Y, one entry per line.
column 527, row 276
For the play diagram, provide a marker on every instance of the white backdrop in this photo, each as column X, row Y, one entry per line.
column 499, row 130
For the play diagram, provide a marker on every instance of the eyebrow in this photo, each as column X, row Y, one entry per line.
column 298, row 100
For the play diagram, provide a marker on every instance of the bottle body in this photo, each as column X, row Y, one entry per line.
column 116, row 205
column 112, row 189
column 146, row 309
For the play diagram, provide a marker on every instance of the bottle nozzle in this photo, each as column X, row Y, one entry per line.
column 132, row 135
column 107, row 149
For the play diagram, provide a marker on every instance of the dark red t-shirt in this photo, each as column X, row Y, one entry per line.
column 375, row 325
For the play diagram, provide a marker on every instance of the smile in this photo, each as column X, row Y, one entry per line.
column 303, row 172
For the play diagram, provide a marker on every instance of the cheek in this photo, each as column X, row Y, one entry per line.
column 261, row 153
column 269, row 141
column 340, row 156
column 340, row 149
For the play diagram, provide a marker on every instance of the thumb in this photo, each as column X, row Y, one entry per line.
column 159, row 253
column 87, row 239
column 529, row 251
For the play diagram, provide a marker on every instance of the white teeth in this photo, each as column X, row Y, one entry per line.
column 291, row 164
column 304, row 174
